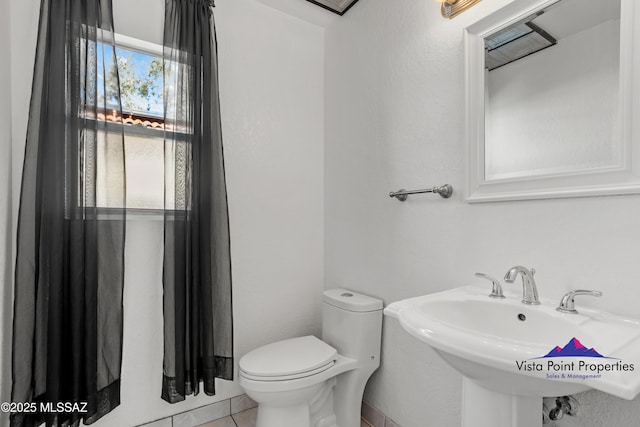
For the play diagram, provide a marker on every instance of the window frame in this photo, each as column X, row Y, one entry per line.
column 154, row 49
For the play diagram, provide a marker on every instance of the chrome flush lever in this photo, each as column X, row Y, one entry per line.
column 567, row 303
column 496, row 287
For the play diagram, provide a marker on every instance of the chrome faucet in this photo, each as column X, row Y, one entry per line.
column 567, row 304
column 529, row 290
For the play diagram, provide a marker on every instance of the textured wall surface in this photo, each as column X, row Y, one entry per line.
column 272, row 99
column 395, row 119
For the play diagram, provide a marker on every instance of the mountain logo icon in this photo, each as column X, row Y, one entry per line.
column 574, row 348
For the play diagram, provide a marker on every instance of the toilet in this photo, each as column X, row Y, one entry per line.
column 307, row 382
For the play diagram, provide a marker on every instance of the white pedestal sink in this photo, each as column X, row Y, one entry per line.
column 485, row 408
column 511, row 354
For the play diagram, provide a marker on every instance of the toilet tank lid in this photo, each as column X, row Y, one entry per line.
column 351, row 301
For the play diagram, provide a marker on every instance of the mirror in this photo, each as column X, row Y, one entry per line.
column 550, row 85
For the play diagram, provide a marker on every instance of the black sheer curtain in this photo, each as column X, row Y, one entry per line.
column 198, row 339
column 67, row 330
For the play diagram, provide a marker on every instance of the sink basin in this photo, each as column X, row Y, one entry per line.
column 499, row 344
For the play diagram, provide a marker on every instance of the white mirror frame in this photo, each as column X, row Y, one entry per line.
column 621, row 179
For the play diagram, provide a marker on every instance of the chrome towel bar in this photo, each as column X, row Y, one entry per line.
column 444, row 191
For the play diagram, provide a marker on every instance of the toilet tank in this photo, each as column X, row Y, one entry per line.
column 352, row 324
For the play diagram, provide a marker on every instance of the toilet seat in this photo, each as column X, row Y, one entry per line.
column 288, row 359
column 288, row 377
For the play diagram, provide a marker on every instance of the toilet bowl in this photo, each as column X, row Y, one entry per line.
column 307, row 382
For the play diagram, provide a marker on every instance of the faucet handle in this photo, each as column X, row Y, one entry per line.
column 567, row 303
column 496, row 287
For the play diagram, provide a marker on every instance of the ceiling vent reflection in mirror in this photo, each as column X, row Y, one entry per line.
column 337, row 6
column 515, row 42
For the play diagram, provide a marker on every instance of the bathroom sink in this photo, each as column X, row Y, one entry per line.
column 500, row 343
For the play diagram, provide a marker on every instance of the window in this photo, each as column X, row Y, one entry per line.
column 140, row 69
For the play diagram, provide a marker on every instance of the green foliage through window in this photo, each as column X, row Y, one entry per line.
column 140, row 75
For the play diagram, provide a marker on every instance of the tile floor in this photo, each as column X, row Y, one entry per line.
column 246, row 419
column 241, row 419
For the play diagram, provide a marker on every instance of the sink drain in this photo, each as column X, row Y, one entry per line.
column 522, row 317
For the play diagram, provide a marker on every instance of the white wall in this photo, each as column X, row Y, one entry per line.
column 272, row 96
column 395, row 119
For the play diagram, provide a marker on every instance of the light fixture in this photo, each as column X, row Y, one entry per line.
column 452, row 8
column 336, row 6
